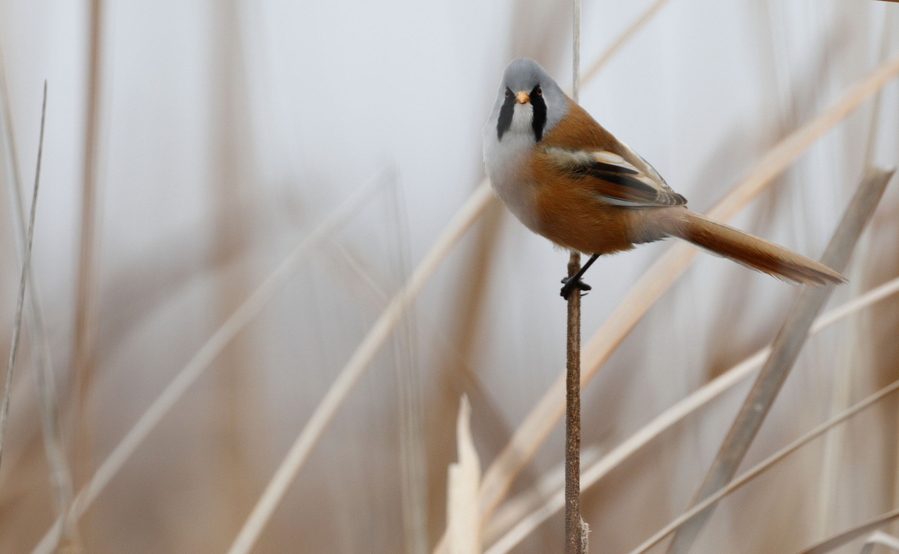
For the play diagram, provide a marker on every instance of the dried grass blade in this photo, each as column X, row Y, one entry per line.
column 676, row 413
column 784, row 352
column 462, row 490
column 201, row 360
column 840, row 539
column 26, row 265
column 543, row 417
column 60, row 473
column 353, row 370
column 766, row 464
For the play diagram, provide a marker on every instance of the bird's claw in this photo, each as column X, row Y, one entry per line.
column 571, row 285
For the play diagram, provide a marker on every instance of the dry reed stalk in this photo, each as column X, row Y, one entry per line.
column 464, row 478
column 60, row 474
column 549, row 488
column 575, row 533
column 211, row 349
column 26, row 265
column 543, row 417
column 765, row 465
column 84, row 340
column 353, row 370
column 850, row 534
column 83, row 358
column 784, row 353
column 531, row 515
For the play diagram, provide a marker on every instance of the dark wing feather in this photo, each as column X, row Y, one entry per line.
column 614, row 179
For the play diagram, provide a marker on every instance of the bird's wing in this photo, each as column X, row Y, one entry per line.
column 614, row 179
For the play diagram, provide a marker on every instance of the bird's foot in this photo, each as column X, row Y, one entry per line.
column 571, row 284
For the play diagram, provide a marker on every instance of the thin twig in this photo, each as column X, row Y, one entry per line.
column 201, row 360
column 784, row 352
column 26, row 263
column 573, row 523
column 669, row 418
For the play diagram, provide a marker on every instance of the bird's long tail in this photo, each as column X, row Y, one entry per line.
column 751, row 251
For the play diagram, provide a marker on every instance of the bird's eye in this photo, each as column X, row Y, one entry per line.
column 508, row 93
column 539, row 91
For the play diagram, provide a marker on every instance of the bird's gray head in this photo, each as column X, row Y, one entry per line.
column 529, row 98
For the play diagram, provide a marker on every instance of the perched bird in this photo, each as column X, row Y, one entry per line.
column 567, row 178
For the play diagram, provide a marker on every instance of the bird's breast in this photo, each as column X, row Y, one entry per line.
column 515, row 186
column 506, row 162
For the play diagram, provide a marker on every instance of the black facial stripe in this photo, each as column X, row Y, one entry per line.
column 539, row 112
column 505, row 114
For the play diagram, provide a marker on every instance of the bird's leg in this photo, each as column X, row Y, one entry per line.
column 574, row 282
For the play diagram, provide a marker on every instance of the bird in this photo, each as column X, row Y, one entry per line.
column 567, row 178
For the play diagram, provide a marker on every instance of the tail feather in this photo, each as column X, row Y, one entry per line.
column 752, row 251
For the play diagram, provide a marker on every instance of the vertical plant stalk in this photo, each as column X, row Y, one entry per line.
column 575, row 528
column 26, row 263
column 784, row 352
column 573, row 523
column 83, row 353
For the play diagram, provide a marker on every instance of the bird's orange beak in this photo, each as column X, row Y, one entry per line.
column 522, row 97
